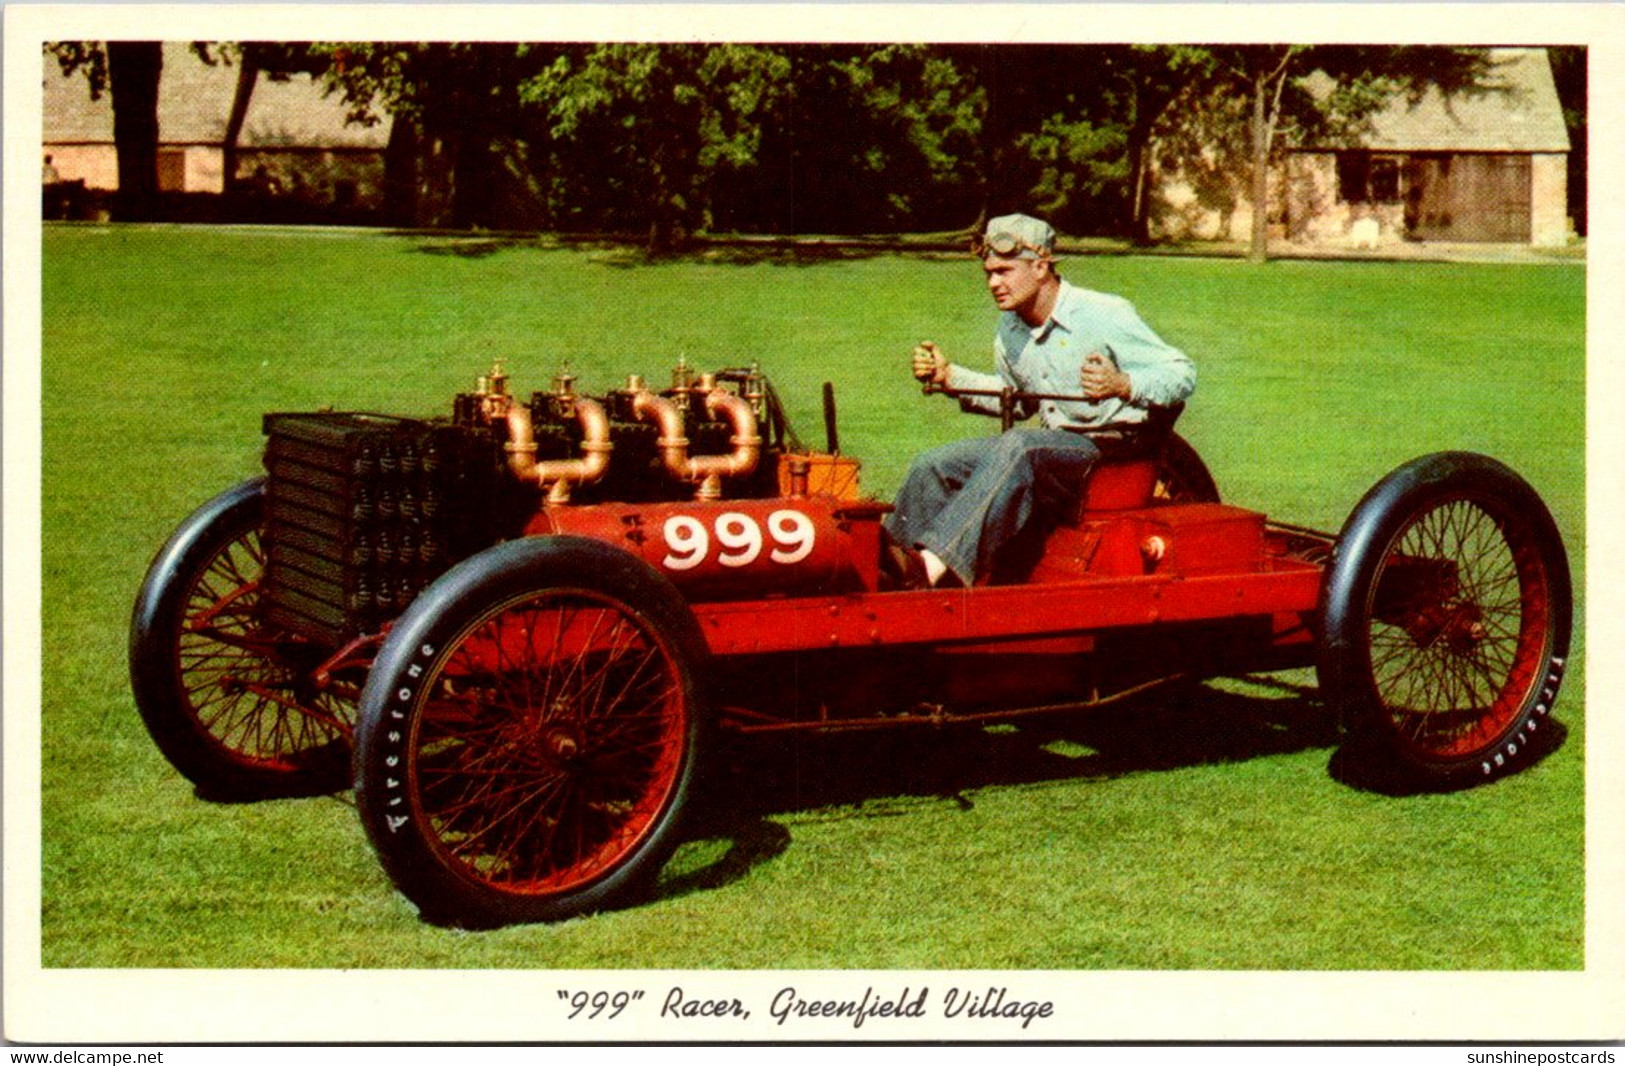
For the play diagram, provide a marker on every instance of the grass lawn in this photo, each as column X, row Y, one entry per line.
column 1202, row 832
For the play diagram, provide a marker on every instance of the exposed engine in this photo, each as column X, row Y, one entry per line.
column 363, row 510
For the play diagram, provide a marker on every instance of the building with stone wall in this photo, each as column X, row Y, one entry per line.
column 1489, row 166
column 295, row 144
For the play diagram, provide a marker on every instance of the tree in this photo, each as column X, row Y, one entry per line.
column 130, row 71
column 1265, row 71
column 1126, row 95
column 457, row 116
column 273, row 60
column 1569, row 74
column 645, row 130
column 1052, row 138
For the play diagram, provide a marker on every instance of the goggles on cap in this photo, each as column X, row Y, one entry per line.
column 1004, row 245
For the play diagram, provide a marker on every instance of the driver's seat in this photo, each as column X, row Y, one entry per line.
column 1125, row 479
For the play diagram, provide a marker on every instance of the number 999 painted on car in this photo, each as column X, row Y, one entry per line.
column 738, row 538
column 815, row 545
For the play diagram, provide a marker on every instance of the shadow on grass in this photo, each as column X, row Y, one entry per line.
column 323, row 771
column 905, row 771
column 901, row 771
column 729, row 253
column 475, row 247
column 1191, row 726
column 626, row 250
column 743, row 842
column 626, row 254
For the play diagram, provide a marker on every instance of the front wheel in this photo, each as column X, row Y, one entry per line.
column 1446, row 618
column 228, row 701
column 530, row 732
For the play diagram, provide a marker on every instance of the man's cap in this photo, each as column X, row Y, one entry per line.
column 1017, row 237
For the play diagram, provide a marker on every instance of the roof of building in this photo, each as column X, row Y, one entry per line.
column 194, row 105
column 1517, row 110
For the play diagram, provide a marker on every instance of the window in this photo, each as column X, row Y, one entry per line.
column 1384, row 179
column 172, row 169
column 1364, row 178
column 1353, row 177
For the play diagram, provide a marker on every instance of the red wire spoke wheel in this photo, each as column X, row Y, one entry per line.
column 528, row 736
column 1447, row 616
column 228, row 702
column 551, row 746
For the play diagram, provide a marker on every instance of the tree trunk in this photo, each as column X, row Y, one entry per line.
column 248, row 70
column 514, row 157
column 439, row 136
column 133, row 72
column 400, row 173
column 667, row 206
column 471, row 198
column 1258, row 247
column 436, row 181
column 1139, row 157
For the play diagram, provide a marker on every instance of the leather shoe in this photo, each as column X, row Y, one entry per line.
column 904, row 567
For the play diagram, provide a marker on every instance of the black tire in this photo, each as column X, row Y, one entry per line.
column 530, row 733
column 1446, row 615
column 1182, row 476
column 226, row 701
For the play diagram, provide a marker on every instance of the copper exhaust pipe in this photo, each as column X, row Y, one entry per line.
column 561, row 474
column 747, row 442
column 708, row 470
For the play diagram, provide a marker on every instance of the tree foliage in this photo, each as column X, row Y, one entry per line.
column 669, row 139
column 1569, row 73
column 458, row 154
column 645, row 132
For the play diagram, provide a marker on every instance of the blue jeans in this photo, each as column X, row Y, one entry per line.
column 966, row 501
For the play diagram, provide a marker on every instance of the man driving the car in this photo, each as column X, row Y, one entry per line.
column 962, row 503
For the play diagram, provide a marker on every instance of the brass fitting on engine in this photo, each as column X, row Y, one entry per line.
column 755, row 390
column 747, row 442
column 564, row 392
column 800, row 474
column 682, row 376
column 672, row 442
column 492, row 390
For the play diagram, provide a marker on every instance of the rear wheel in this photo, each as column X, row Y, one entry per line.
column 227, row 701
column 1446, row 614
column 1182, row 476
column 529, row 734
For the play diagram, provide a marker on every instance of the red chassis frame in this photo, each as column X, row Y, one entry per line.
column 1217, row 564
column 1123, row 563
column 1005, row 636
column 1283, row 587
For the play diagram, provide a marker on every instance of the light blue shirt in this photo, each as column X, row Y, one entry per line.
column 1049, row 359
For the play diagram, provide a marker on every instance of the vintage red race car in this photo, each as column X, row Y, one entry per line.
column 517, row 630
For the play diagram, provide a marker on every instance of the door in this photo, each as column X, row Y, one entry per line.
column 1468, row 197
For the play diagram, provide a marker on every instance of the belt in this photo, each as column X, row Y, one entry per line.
column 1119, row 431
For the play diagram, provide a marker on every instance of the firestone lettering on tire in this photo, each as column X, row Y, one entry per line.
column 393, row 785
column 1519, row 531
column 1542, row 709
